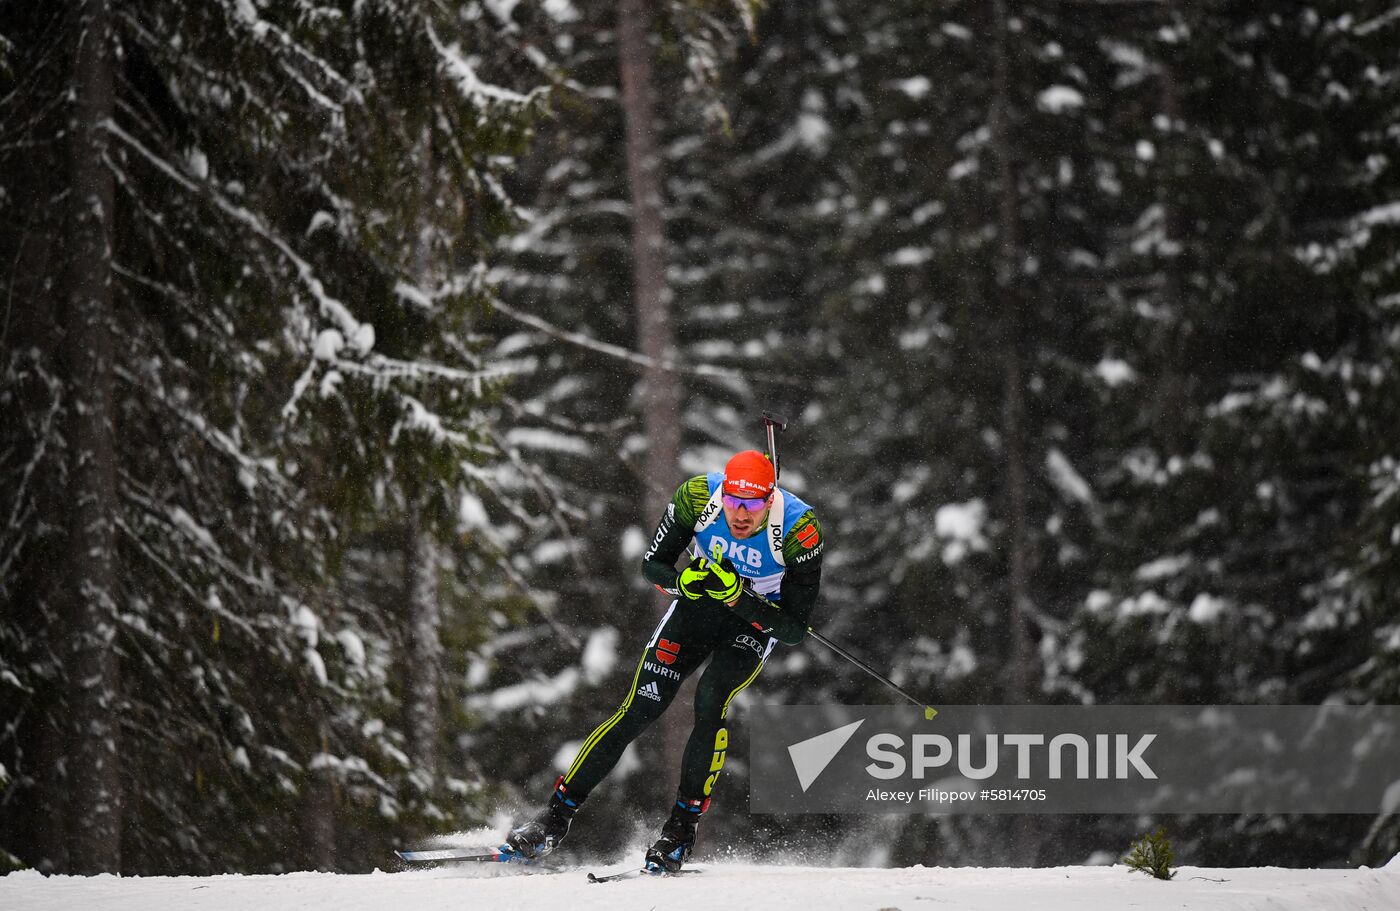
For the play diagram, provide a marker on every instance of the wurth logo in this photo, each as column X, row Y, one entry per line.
column 651, row 691
column 661, row 671
column 666, row 651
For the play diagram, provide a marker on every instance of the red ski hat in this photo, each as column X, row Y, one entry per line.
column 749, row 474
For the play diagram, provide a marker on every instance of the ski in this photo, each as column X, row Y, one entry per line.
column 635, row 871
column 471, row 855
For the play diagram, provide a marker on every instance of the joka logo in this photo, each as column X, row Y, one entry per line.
column 666, row 651
column 652, row 691
column 810, row 757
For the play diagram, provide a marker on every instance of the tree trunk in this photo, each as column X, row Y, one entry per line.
column 424, row 648
column 660, row 388
column 1022, row 843
column 1172, row 394
column 1014, row 396
column 1018, row 688
column 318, row 805
column 50, row 832
column 93, row 674
column 661, row 392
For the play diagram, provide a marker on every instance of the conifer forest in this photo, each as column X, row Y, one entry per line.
column 350, row 351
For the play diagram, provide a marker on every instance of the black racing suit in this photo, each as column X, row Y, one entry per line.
column 737, row 640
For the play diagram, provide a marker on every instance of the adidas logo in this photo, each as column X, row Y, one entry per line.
column 651, row 691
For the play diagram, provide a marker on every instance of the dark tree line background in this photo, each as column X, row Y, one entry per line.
column 348, row 351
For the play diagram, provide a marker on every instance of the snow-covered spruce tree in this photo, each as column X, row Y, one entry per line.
column 1350, row 638
column 836, row 235
column 939, row 212
column 1237, row 407
column 1188, row 469
column 299, row 199
column 566, row 299
column 887, row 152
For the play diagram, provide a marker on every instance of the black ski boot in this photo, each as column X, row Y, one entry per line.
column 673, row 848
column 542, row 834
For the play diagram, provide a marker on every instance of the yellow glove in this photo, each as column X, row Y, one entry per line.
column 722, row 582
column 689, row 582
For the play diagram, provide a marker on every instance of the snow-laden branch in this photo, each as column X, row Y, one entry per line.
column 212, row 435
column 188, row 529
column 1359, row 233
column 169, row 571
column 1386, row 214
column 42, row 437
column 381, row 366
column 536, row 411
column 419, row 417
column 20, row 523
column 537, row 226
column 484, row 479
column 1384, row 19
column 329, row 306
column 203, row 315
column 503, row 562
column 22, row 510
column 559, row 508
column 243, row 11
column 471, row 86
column 626, row 354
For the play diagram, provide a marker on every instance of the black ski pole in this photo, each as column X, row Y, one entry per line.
column 775, row 423
column 929, row 711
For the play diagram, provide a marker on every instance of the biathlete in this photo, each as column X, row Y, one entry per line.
column 755, row 565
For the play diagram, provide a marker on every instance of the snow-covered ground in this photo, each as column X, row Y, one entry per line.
column 726, row 886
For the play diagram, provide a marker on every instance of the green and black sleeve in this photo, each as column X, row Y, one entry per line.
column 674, row 533
column 802, row 554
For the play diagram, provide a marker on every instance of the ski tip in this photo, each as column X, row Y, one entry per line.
column 929, row 712
column 639, row 871
column 452, row 855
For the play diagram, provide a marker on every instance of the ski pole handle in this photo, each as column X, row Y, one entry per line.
column 774, row 424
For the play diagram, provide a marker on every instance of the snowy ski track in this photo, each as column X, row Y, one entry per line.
column 725, row 885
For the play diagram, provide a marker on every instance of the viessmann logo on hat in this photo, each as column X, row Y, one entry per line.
column 749, row 474
column 743, row 487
